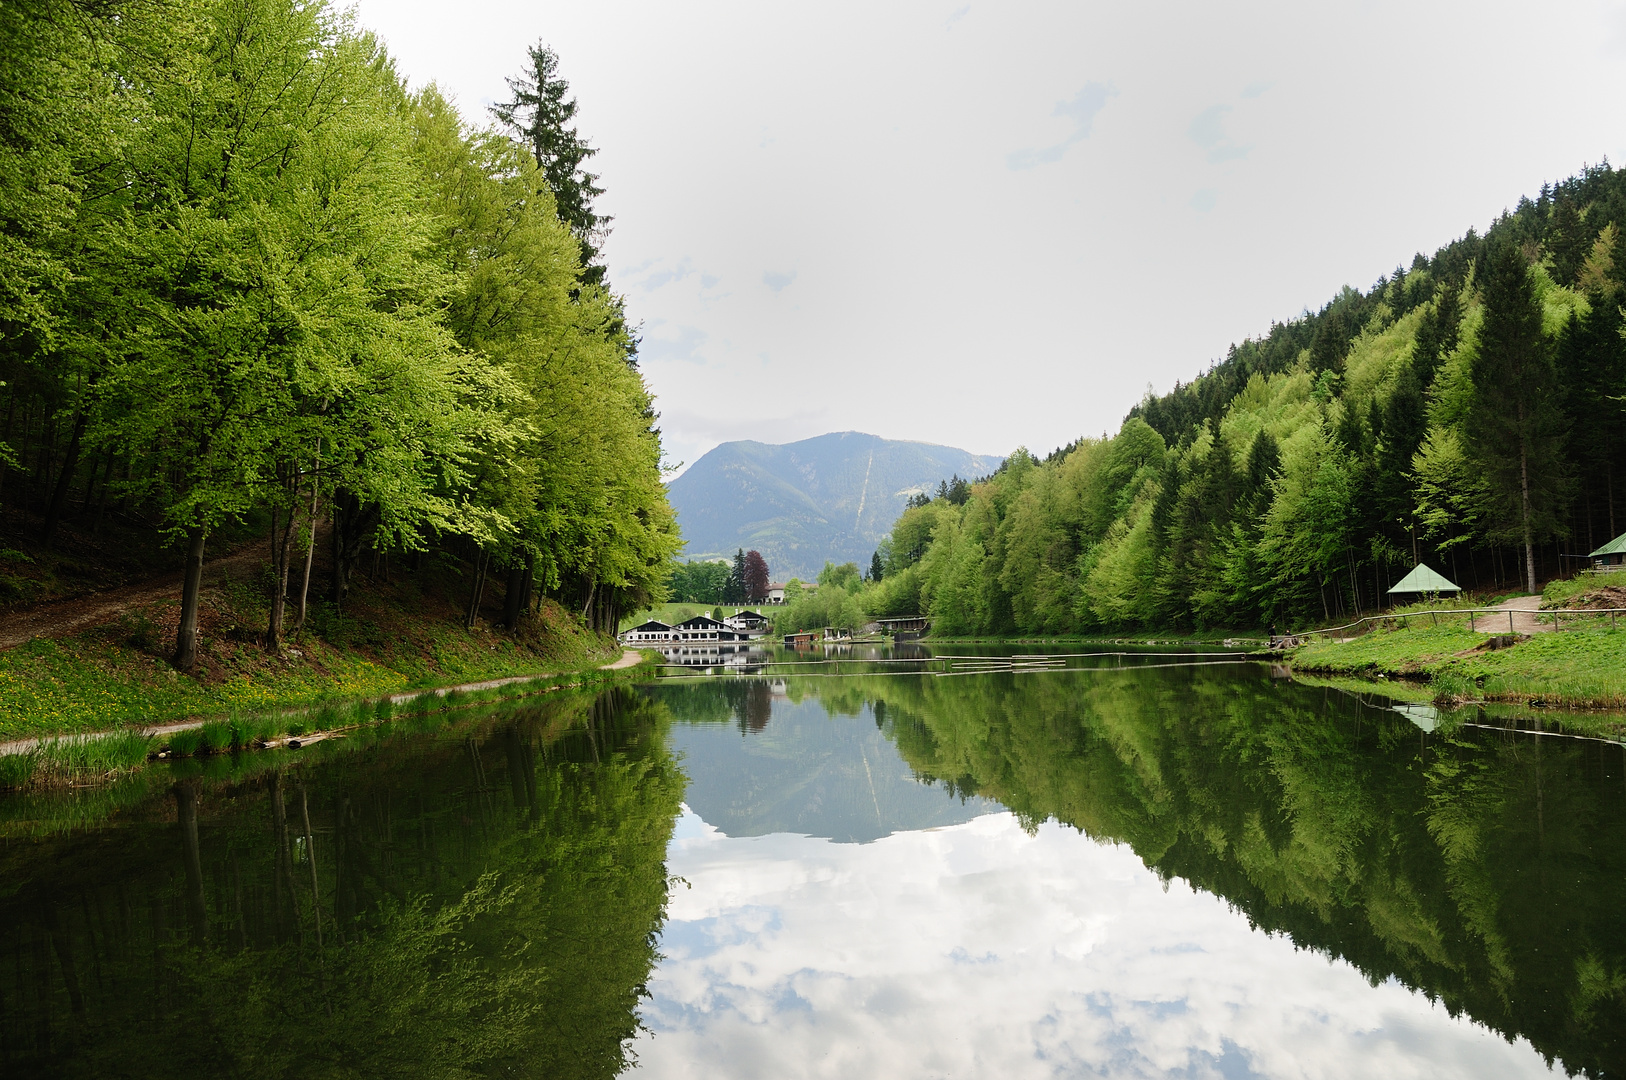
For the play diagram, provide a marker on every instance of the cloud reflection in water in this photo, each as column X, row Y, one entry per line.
column 978, row 950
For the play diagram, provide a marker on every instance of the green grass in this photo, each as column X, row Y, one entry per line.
column 75, row 759
column 112, row 756
column 108, row 678
column 1583, row 667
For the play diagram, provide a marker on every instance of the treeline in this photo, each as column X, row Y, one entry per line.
column 743, row 581
column 1468, row 411
column 246, row 275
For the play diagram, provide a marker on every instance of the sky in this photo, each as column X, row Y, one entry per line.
column 998, row 225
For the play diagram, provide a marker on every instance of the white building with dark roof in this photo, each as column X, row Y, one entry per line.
column 652, row 631
column 705, row 628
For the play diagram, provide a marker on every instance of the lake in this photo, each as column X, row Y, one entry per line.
column 899, row 864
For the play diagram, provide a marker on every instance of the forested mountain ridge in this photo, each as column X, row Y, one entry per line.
column 831, row 497
column 249, row 278
column 1468, row 410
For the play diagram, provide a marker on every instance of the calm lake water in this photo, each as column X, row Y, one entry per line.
column 971, row 866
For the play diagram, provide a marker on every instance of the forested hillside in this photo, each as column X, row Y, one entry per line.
column 1468, row 410
column 249, row 280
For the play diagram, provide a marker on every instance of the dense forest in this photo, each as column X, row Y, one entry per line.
column 1468, row 411
column 249, row 279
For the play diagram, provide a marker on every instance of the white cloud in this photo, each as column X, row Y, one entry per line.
column 977, row 950
column 1208, row 132
column 1081, row 109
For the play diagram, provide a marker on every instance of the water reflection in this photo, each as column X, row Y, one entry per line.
column 1238, row 832
column 1128, row 868
column 801, row 773
column 457, row 902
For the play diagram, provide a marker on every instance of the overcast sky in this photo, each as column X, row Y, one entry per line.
column 991, row 225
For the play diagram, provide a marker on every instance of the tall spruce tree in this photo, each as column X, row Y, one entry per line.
column 541, row 113
column 1514, row 424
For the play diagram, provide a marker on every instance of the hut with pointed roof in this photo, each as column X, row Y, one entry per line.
column 1424, row 579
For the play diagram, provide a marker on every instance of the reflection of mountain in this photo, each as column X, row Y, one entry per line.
column 1488, row 872
column 831, row 497
column 799, row 770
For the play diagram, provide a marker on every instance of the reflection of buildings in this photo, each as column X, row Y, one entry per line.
column 701, row 654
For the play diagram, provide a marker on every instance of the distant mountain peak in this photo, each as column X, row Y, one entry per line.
column 832, row 496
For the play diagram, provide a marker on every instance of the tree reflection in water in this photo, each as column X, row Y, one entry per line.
column 1486, row 870
column 472, row 902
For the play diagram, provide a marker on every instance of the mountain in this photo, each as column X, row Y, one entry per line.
column 830, row 497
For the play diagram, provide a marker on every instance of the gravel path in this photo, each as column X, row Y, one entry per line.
column 1523, row 609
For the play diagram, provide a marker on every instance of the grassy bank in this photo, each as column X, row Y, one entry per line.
column 400, row 635
column 1581, row 668
column 77, row 760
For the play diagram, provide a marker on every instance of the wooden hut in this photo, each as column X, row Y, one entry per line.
column 1611, row 555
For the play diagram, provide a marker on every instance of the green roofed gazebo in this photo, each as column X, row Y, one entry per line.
column 1611, row 554
column 1423, row 579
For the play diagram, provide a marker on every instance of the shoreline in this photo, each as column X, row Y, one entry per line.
column 99, row 757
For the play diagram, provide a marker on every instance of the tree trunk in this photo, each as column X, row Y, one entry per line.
column 513, row 595
column 186, row 638
column 481, row 560
column 197, row 904
column 59, row 494
column 1529, row 536
column 101, row 499
column 529, row 584
column 281, row 540
column 310, row 556
column 338, row 586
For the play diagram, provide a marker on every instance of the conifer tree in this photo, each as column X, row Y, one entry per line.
column 541, row 113
column 735, row 593
column 1513, row 425
column 876, row 572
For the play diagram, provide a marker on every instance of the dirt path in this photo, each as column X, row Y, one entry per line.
column 1523, row 610
column 629, row 658
column 66, row 616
